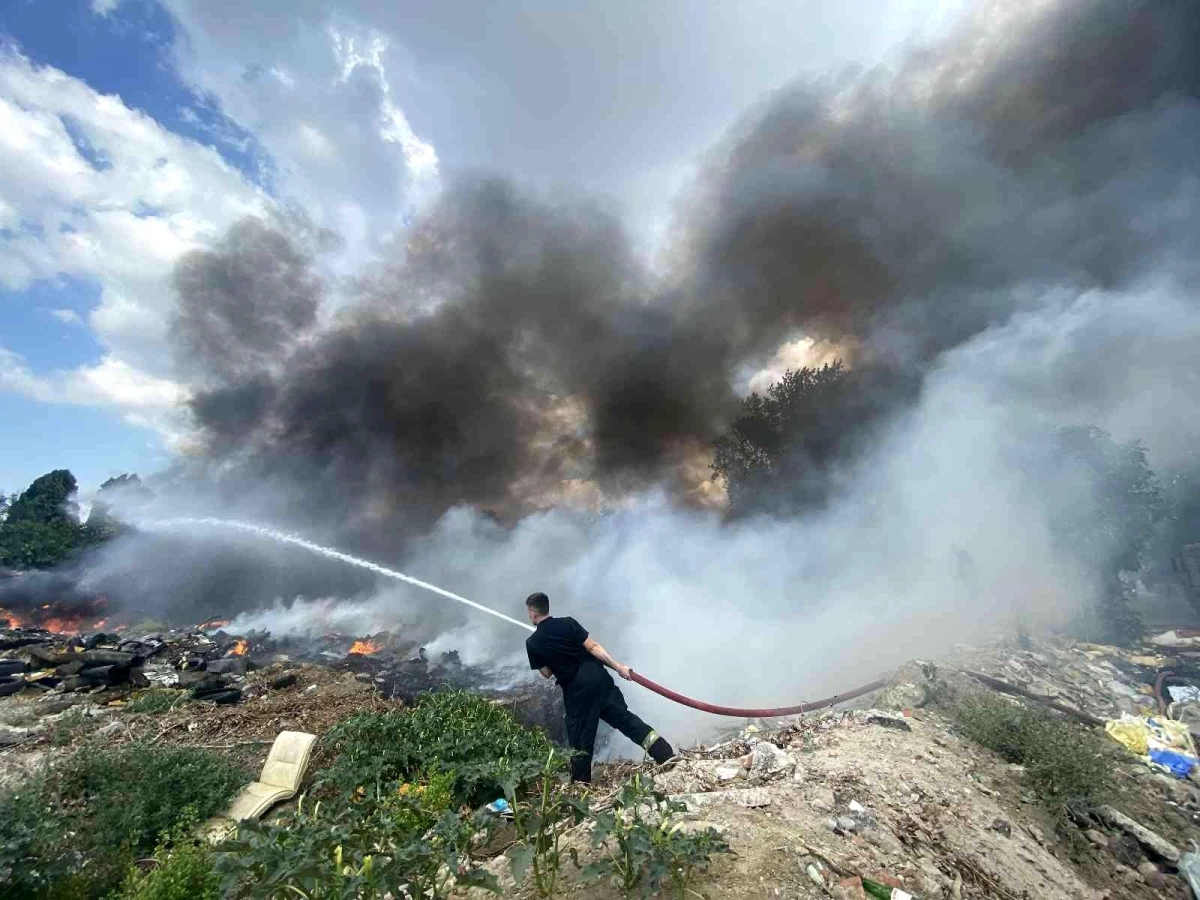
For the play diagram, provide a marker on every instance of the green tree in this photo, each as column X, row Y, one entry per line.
column 101, row 522
column 1181, row 487
column 778, row 454
column 774, row 454
column 42, row 527
column 1116, row 507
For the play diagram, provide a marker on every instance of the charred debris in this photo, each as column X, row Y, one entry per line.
column 208, row 664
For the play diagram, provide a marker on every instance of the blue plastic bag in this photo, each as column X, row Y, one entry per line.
column 1179, row 764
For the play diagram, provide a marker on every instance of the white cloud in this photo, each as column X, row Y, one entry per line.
column 104, row 7
column 143, row 400
column 122, row 222
column 327, row 105
column 67, row 316
column 596, row 94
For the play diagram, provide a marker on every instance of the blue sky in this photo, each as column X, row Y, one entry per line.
column 45, row 323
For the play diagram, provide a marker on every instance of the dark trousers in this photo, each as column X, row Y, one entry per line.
column 591, row 696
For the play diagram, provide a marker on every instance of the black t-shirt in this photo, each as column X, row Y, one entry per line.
column 558, row 644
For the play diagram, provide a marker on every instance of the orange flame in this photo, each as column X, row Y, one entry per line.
column 241, row 648
column 62, row 625
column 53, row 624
column 212, row 624
column 365, row 647
column 15, row 620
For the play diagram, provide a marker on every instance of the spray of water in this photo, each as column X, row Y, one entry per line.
column 329, row 552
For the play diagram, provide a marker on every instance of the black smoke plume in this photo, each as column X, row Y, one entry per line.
column 515, row 342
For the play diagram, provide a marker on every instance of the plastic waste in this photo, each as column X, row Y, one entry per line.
column 1184, row 693
column 1163, row 743
column 499, row 807
column 1178, row 764
column 1131, row 732
column 1189, row 868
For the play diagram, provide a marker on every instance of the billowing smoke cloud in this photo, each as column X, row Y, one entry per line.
column 1003, row 228
column 902, row 211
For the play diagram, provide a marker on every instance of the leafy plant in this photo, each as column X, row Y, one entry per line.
column 38, row 855
column 136, row 793
column 646, row 845
column 368, row 850
column 540, row 821
column 455, row 731
column 683, row 855
column 182, row 869
column 1069, row 768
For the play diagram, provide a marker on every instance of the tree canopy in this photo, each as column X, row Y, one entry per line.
column 1118, row 505
column 778, row 455
column 101, row 521
column 42, row 527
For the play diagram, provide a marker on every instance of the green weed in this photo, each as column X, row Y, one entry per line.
column 646, row 846
column 156, row 701
column 1069, row 767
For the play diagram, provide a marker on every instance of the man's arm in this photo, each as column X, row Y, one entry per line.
column 605, row 657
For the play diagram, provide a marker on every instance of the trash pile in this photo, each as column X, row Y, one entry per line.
column 208, row 664
column 1147, row 699
column 35, row 659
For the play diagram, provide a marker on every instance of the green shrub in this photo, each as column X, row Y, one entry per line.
column 133, row 794
column 156, row 701
column 71, row 725
column 455, row 731
column 72, row 833
column 182, row 869
column 38, row 853
column 1069, row 767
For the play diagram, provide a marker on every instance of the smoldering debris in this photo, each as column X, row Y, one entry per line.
column 208, row 664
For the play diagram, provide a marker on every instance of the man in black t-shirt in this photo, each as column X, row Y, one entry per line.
column 562, row 648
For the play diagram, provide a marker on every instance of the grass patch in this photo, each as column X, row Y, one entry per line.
column 73, row 832
column 70, row 726
column 156, row 701
column 1068, row 766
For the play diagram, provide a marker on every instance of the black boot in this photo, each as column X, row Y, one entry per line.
column 660, row 751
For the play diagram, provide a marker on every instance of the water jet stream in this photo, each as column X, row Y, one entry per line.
column 284, row 537
column 330, row 553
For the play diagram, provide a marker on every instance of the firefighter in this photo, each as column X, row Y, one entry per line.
column 562, row 647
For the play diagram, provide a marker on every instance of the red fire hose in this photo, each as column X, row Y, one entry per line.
column 755, row 713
